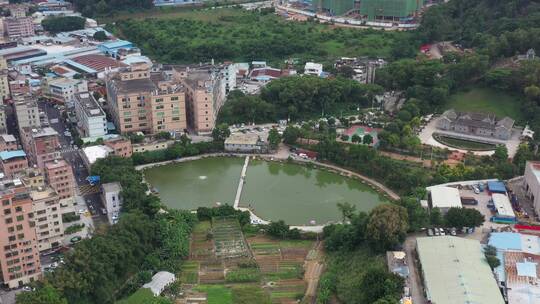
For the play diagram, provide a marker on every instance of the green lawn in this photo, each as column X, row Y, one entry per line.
column 250, row 295
column 141, row 296
column 216, row 294
column 487, row 101
column 463, row 144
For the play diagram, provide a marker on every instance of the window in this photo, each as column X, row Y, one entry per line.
column 7, row 211
column 5, row 203
column 127, row 119
column 176, row 118
column 9, row 220
column 174, row 98
column 128, row 126
column 20, row 218
column 10, row 229
column 18, row 209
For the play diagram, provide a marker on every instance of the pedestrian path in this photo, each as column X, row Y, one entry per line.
column 88, row 189
column 241, row 183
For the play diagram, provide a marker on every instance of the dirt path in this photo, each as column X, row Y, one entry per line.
column 425, row 162
column 314, row 268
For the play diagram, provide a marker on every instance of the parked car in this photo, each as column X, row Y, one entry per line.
column 453, row 231
column 82, row 211
column 476, row 190
column 436, row 231
column 103, row 211
column 441, row 231
column 75, row 239
column 430, row 232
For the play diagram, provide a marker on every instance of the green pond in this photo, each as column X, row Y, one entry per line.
column 294, row 193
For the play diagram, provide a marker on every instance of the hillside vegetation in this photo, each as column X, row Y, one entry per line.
column 238, row 35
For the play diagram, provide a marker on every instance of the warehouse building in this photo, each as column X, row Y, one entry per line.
column 444, row 198
column 455, row 271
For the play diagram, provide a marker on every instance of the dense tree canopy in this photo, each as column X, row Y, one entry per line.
column 234, row 34
column 92, row 8
column 63, row 24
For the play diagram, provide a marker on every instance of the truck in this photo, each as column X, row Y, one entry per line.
column 468, row 200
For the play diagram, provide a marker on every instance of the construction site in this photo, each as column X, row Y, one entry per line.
column 359, row 12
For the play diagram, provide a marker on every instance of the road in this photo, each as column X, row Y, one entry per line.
column 414, row 282
column 72, row 156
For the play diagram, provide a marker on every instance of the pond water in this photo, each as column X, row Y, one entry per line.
column 294, row 193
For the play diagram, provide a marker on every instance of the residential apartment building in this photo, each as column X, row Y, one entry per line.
column 121, row 146
column 145, row 101
column 152, row 146
column 91, row 120
column 63, row 90
column 8, row 142
column 18, row 11
column 12, row 163
column 3, row 120
column 27, row 113
column 19, row 262
column 48, row 218
column 19, row 27
column 531, row 183
column 41, row 145
column 205, row 95
column 59, row 175
column 4, row 85
column 110, row 196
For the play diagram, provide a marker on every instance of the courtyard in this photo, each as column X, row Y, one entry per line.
column 426, row 137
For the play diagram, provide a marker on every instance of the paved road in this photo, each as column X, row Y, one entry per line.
column 414, row 281
column 72, row 156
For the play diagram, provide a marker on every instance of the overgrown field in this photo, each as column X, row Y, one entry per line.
column 238, row 35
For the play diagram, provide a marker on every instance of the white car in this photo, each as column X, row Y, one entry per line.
column 82, row 211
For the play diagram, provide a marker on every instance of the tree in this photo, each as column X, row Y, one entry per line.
column 100, row 36
column 387, row 226
column 356, row 138
column 378, row 283
column 490, row 253
column 290, row 135
column 63, row 24
column 44, row 295
column 221, row 132
column 274, row 138
column 435, row 216
column 501, row 153
column 463, row 217
column 418, row 216
column 278, row 229
column 367, row 139
column 347, row 210
column 344, row 137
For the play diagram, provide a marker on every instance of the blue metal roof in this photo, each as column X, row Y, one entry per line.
column 115, row 44
column 5, row 155
column 496, row 186
column 505, row 240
